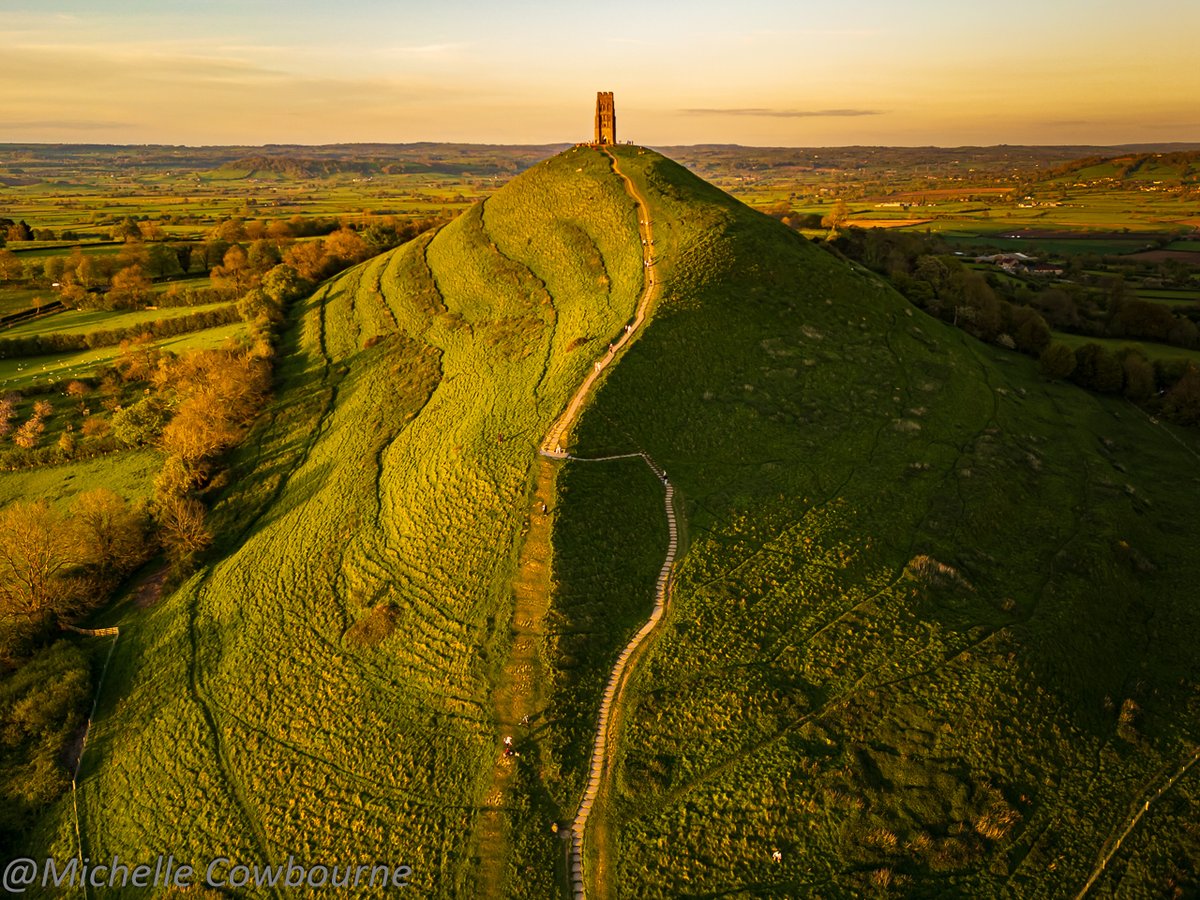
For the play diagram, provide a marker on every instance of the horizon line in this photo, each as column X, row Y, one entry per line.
column 544, row 144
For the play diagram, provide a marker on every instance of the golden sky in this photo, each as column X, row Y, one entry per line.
column 756, row 72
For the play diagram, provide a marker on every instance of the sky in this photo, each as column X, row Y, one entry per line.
column 753, row 72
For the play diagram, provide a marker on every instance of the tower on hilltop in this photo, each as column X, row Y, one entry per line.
column 606, row 118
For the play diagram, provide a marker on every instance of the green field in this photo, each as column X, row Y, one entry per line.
column 29, row 370
column 130, row 474
column 1153, row 352
column 16, row 298
column 80, row 321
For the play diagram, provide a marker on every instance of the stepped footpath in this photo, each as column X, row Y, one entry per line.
column 552, row 447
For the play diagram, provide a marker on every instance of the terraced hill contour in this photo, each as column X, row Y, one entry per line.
column 930, row 634
column 324, row 689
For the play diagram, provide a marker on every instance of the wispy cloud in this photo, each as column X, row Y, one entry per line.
column 783, row 113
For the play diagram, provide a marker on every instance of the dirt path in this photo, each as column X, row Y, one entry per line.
column 519, row 697
column 519, row 693
column 553, row 446
column 1138, row 809
column 556, row 437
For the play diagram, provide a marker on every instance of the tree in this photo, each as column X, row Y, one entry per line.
column 198, row 430
column 163, row 261
column 183, row 253
column 1098, row 369
column 233, row 273
column 1057, row 360
column 53, row 268
column 1183, row 399
column 134, row 253
column 141, row 423
column 112, row 533
column 1058, row 307
column 309, row 259
column 130, row 288
column 283, row 284
column 279, row 232
column 184, row 531
column 26, row 437
column 126, row 230
column 36, row 549
column 230, row 231
column 138, row 358
column 263, row 255
column 255, row 305
column 1139, row 377
column 87, row 272
column 8, row 412
column 151, row 231
column 1184, row 333
column 932, row 270
column 347, row 247
column 10, row 266
column 837, row 216
column 1033, row 334
column 67, row 443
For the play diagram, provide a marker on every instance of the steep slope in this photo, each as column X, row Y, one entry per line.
column 933, row 630
column 323, row 689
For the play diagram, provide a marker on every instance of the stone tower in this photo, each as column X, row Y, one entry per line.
column 606, row 118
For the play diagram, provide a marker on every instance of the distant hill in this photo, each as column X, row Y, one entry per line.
column 1179, row 167
column 932, row 630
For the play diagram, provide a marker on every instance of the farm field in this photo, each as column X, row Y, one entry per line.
column 25, row 371
column 1152, row 350
column 14, row 299
column 129, row 473
column 79, row 321
column 82, row 189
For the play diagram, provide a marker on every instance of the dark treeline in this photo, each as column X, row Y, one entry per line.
column 1020, row 316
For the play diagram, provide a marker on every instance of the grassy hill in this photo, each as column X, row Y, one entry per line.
column 323, row 687
column 932, row 632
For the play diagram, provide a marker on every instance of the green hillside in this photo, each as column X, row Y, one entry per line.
column 933, row 634
column 931, row 630
column 323, row 688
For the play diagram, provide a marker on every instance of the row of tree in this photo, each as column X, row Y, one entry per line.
column 60, row 342
column 944, row 287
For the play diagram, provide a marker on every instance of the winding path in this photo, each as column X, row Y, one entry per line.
column 617, row 678
column 555, row 438
column 553, row 447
